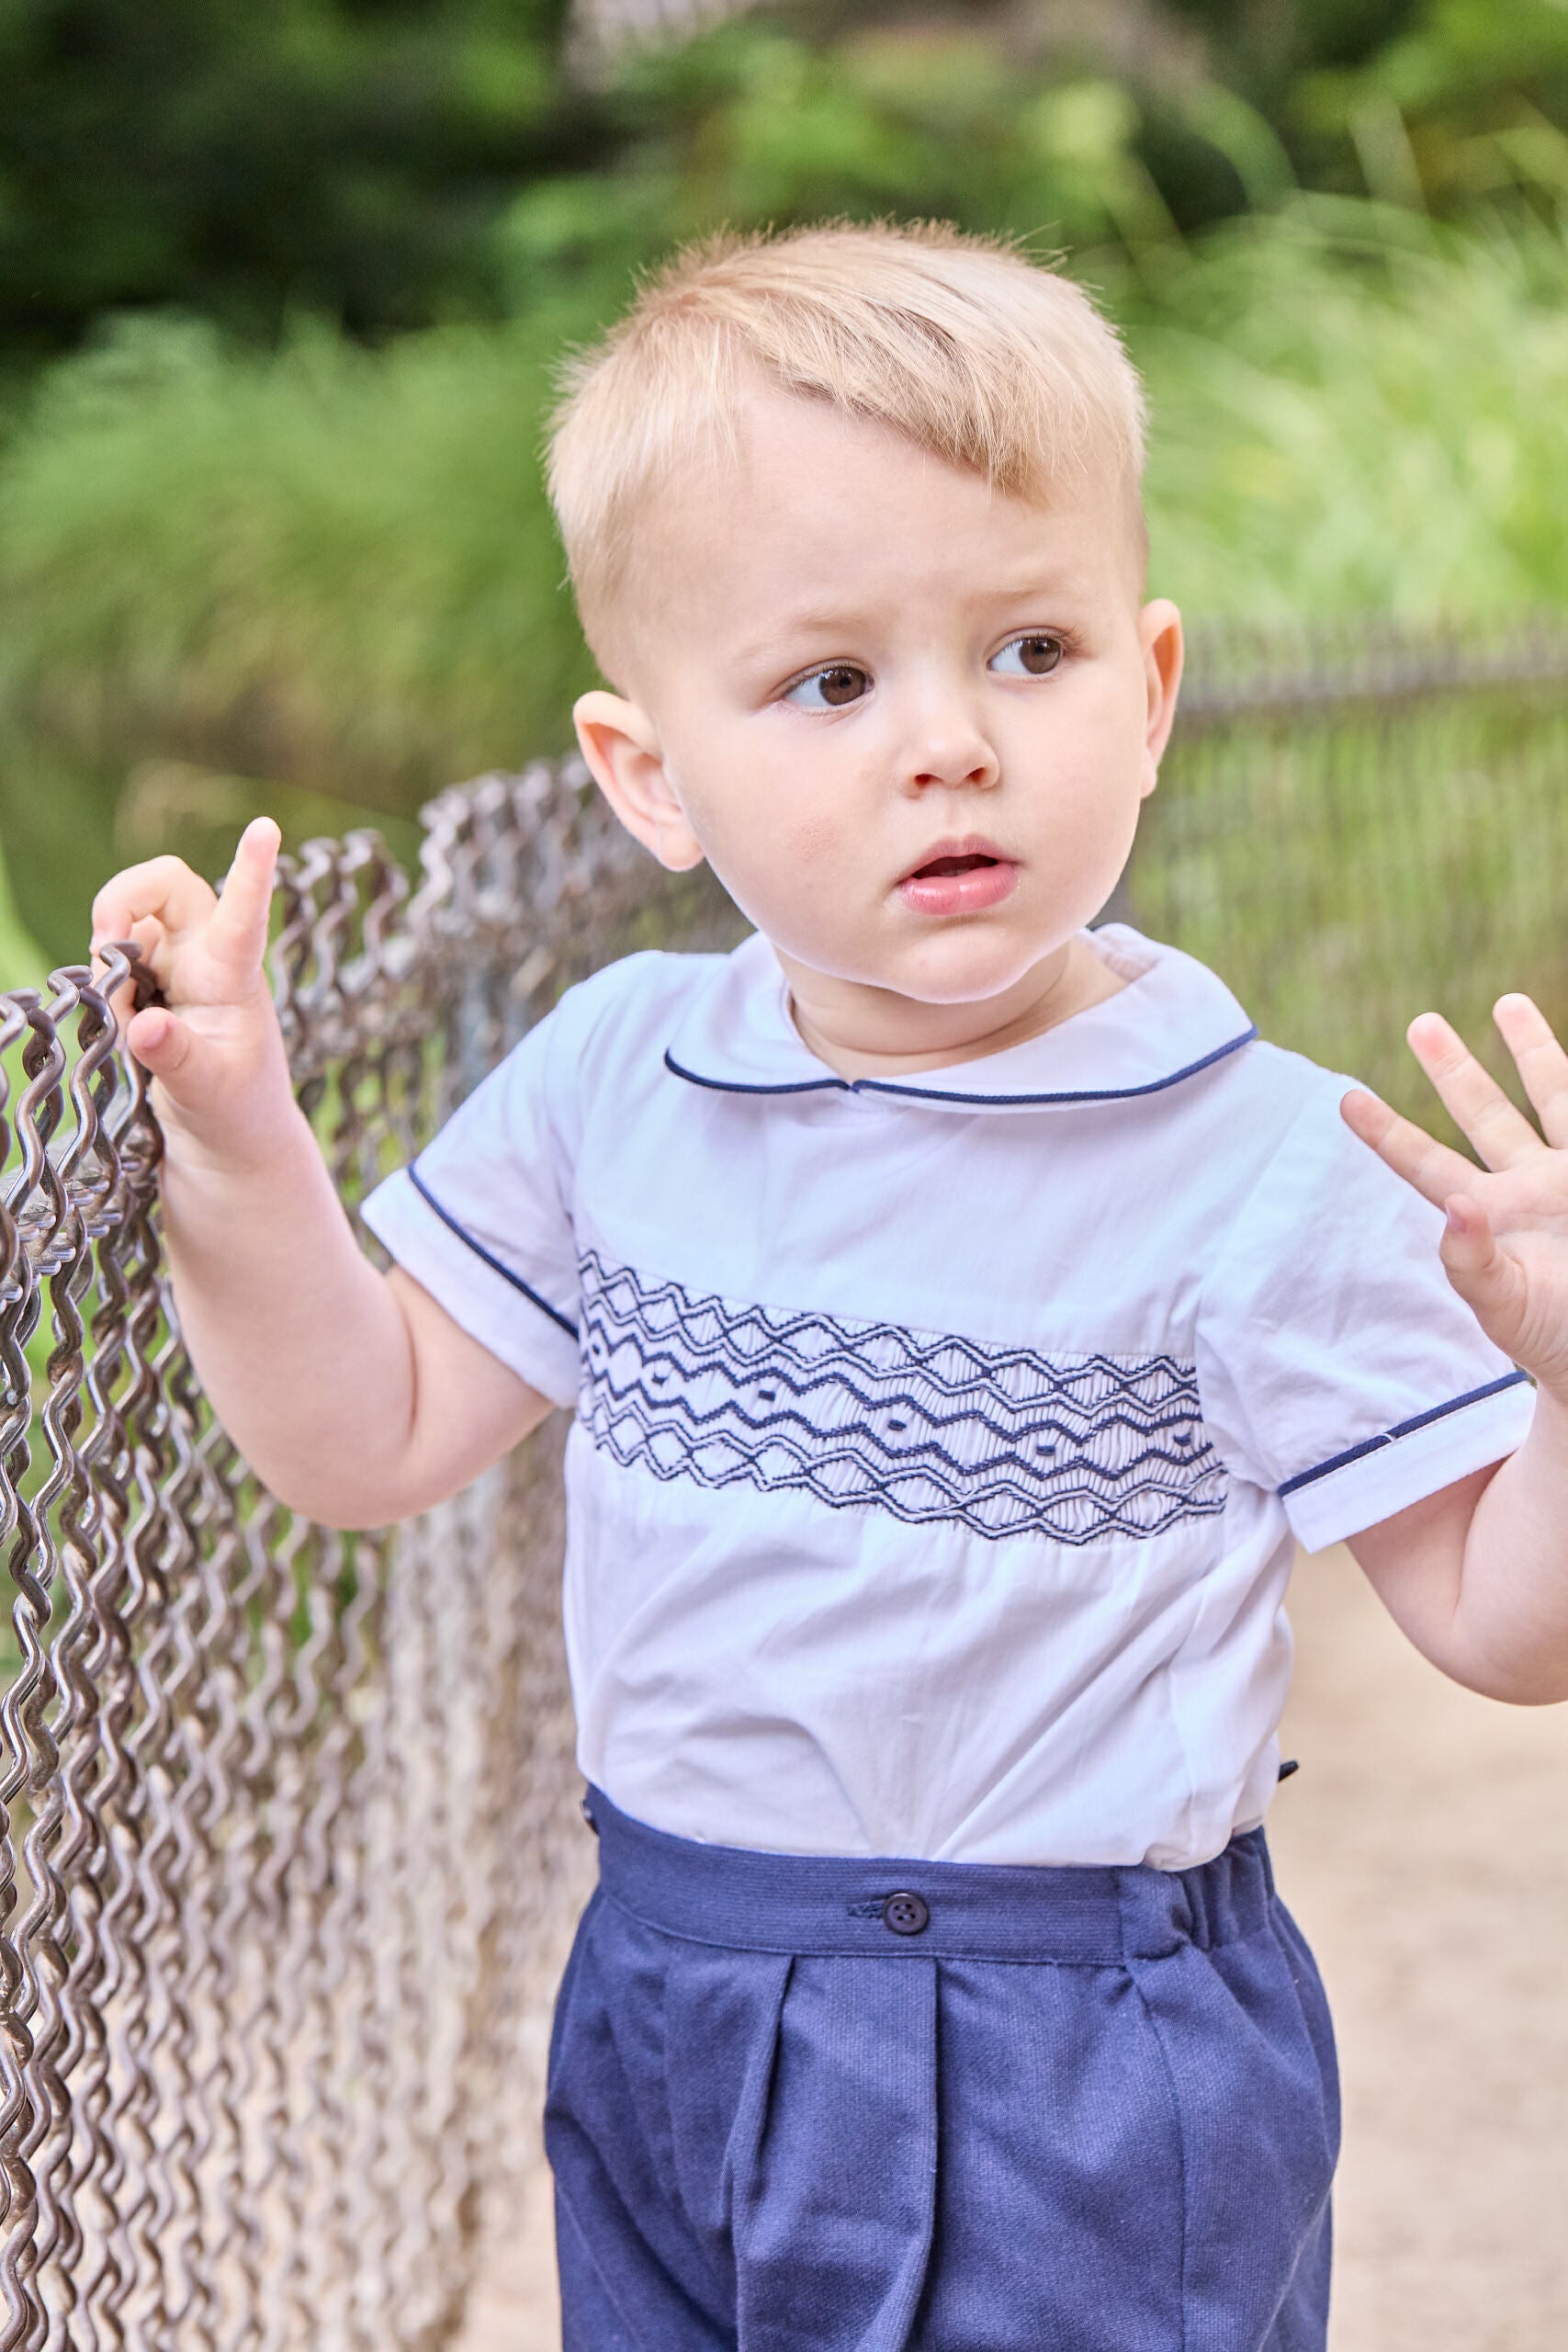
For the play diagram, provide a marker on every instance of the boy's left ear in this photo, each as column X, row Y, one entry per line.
column 621, row 745
column 1164, row 651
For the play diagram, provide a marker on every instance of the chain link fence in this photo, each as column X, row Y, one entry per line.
column 289, row 1848
column 1360, row 823
column 289, row 1838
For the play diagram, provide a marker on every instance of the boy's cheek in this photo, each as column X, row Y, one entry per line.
column 814, row 841
column 1100, row 782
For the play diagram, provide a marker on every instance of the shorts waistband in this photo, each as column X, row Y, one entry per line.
column 887, row 1908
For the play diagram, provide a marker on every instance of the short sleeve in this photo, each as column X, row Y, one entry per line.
column 482, row 1218
column 1337, row 1366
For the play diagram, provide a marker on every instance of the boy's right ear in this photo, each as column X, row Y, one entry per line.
column 621, row 746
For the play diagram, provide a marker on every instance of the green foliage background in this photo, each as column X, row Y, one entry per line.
column 280, row 295
column 337, row 155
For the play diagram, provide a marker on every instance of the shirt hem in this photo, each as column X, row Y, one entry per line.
column 480, row 1294
column 1419, row 1457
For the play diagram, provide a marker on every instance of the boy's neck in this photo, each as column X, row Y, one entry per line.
column 866, row 1032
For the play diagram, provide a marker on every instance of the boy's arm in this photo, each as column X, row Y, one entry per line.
column 353, row 1394
column 1477, row 1575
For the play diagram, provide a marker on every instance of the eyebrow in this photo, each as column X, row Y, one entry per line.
column 776, row 651
column 824, row 621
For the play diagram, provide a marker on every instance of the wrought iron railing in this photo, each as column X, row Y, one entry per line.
column 289, row 1848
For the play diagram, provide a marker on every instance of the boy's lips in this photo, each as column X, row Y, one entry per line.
column 959, row 878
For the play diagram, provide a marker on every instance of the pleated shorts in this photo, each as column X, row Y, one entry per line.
column 807, row 2105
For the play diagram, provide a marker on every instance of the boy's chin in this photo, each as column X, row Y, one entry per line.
column 957, row 964
column 967, row 971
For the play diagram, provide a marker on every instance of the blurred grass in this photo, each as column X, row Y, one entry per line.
column 22, row 961
column 333, row 570
column 336, row 567
column 328, row 579
column 333, row 554
column 1348, row 866
column 1357, row 409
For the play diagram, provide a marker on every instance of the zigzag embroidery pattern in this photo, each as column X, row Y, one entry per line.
column 859, row 1414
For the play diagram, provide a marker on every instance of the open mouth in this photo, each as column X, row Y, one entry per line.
column 940, row 868
column 964, row 878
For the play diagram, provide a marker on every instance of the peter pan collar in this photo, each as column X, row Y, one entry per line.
column 1173, row 1019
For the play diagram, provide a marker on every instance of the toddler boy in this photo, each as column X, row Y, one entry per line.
column 966, row 1316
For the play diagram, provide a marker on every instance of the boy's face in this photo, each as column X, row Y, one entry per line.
column 908, row 720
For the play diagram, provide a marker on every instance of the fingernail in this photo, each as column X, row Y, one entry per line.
column 1454, row 1217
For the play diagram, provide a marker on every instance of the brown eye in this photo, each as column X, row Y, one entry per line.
column 1029, row 657
column 830, row 689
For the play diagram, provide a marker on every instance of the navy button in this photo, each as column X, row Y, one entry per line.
column 588, row 1816
column 906, row 1914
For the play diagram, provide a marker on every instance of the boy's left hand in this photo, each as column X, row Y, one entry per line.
column 1505, row 1243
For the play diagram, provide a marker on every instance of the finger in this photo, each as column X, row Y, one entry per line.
column 237, row 933
column 172, row 1053
column 145, row 934
column 1502, row 1135
column 1540, row 1061
column 163, row 886
column 1486, row 1278
column 1409, row 1150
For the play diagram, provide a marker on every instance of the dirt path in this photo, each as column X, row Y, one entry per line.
column 1424, row 1845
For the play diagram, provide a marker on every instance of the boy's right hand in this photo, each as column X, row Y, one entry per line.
column 214, row 1047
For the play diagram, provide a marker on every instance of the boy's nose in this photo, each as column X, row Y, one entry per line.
column 953, row 760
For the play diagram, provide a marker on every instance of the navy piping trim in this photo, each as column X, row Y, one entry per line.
column 941, row 1094
column 450, row 1222
column 731, row 1086
column 1404, row 1429
column 1106, row 1094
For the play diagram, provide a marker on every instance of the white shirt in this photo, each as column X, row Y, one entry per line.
column 942, row 1446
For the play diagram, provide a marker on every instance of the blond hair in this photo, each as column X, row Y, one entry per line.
column 963, row 343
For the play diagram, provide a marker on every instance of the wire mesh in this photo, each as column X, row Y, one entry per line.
column 285, row 1859
column 289, row 1839
column 1359, row 823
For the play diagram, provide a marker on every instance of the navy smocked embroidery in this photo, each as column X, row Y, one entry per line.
column 1001, row 1440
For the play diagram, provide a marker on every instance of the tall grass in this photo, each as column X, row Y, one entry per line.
column 22, row 959
column 1358, row 411
column 335, row 568
column 337, row 565
column 1347, row 865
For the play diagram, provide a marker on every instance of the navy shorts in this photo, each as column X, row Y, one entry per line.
column 802, row 2105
